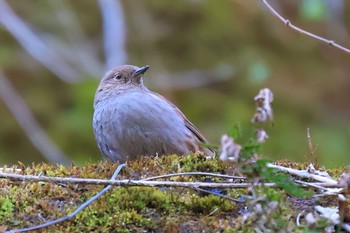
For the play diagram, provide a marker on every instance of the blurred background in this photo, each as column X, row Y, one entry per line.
column 209, row 58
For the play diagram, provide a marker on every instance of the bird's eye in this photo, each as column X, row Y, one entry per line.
column 117, row 76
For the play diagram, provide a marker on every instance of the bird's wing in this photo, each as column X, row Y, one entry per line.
column 187, row 123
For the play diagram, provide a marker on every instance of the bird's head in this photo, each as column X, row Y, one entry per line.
column 123, row 76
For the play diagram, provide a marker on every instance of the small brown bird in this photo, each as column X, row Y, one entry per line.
column 130, row 120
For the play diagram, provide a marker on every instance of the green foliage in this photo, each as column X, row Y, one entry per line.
column 250, row 148
column 282, row 180
column 236, row 131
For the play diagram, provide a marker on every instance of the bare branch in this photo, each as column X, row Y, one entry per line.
column 304, row 174
column 194, row 173
column 289, row 24
column 325, row 182
column 114, row 32
column 34, row 45
column 242, row 200
column 9, row 169
column 28, row 123
column 127, row 182
column 328, row 191
column 312, row 154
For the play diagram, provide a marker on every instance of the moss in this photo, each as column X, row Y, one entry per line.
column 198, row 162
column 6, row 207
column 140, row 209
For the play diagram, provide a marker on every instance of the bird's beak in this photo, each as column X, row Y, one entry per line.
column 140, row 71
column 137, row 75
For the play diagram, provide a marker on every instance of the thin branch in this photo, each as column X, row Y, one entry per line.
column 9, row 169
column 324, row 181
column 18, row 177
column 202, row 174
column 289, row 24
column 304, row 174
column 298, row 219
column 30, row 126
column 329, row 191
column 81, row 207
column 220, row 195
column 33, row 44
column 316, row 184
column 194, row 173
column 313, row 157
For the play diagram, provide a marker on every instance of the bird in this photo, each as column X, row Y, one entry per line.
column 129, row 120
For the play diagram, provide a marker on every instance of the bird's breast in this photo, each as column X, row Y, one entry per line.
column 142, row 112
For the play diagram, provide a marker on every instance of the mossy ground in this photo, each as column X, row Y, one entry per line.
column 136, row 209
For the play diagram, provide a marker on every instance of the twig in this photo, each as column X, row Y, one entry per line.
column 202, row 174
column 316, row 184
column 30, row 126
column 313, row 157
column 325, row 182
column 311, row 150
column 289, row 24
column 330, row 191
column 80, row 208
column 194, row 173
column 298, row 219
column 126, row 182
column 220, row 195
column 310, row 184
column 9, row 169
column 304, row 174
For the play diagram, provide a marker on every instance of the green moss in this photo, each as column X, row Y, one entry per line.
column 6, row 207
column 140, row 209
column 206, row 204
column 200, row 163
